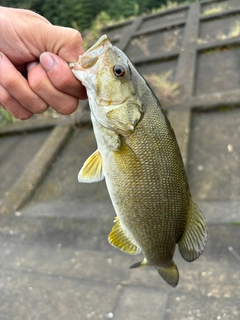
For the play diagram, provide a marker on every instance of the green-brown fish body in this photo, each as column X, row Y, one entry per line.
column 140, row 159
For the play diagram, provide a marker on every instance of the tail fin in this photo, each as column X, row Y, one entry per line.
column 194, row 237
column 170, row 274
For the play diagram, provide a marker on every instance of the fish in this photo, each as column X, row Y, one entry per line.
column 139, row 158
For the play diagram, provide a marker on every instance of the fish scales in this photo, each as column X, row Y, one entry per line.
column 140, row 159
column 147, row 179
column 157, row 198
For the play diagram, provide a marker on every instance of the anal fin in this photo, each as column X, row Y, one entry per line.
column 120, row 239
column 92, row 170
column 194, row 237
column 139, row 264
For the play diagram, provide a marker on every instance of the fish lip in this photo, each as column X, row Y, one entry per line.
column 75, row 70
column 90, row 57
column 104, row 38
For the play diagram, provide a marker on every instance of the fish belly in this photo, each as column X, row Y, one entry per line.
column 148, row 188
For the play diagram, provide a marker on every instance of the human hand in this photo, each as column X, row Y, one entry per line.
column 31, row 46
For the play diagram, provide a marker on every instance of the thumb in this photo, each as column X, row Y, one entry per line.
column 61, row 75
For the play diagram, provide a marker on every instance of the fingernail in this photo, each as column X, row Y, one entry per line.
column 31, row 65
column 47, row 61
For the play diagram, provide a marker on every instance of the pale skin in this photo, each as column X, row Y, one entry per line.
column 34, row 73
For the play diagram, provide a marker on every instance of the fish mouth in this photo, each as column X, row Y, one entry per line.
column 90, row 57
column 103, row 39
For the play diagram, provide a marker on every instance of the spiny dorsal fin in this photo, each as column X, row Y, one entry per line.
column 92, row 170
column 170, row 274
column 119, row 239
column 194, row 237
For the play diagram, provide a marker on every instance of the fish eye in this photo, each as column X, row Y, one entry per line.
column 119, row 70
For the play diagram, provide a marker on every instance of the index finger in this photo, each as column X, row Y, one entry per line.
column 16, row 86
column 63, row 41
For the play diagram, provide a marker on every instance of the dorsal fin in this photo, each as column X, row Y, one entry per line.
column 92, row 170
column 119, row 239
column 194, row 237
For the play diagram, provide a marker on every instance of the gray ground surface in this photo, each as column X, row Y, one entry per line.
column 56, row 262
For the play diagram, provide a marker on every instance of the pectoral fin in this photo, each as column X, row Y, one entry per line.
column 92, row 170
column 194, row 237
column 125, row 116
column 119, row 239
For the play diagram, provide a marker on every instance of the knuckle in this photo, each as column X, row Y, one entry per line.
column 67, row 108
column 39, row 107
column 6, row 99
column 25, row 116
column 8, row 81
column 18, row 112
column 60, row 82
column 74, row 46
column 36, row 84
column 13, row 106
column 75, row 36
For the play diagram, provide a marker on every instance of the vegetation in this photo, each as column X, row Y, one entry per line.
column 5, row 117
column 233, row 33
column 165, row 89
column 93, row 15
column 82, row 13
column 235, row 30
column 216, row 8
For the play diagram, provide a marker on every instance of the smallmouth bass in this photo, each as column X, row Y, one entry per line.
column 139, row 158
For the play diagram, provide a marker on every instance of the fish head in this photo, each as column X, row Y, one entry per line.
column 108, row 76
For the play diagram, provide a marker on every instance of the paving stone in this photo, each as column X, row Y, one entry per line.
column 141, row 303
column 89, row 264
column 33, row 296
column 209, row 293
column 79, row 233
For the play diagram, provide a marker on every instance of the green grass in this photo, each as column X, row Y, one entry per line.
column 165, row 89
column 235, row 30
column 5, row 117
column 216, row 9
